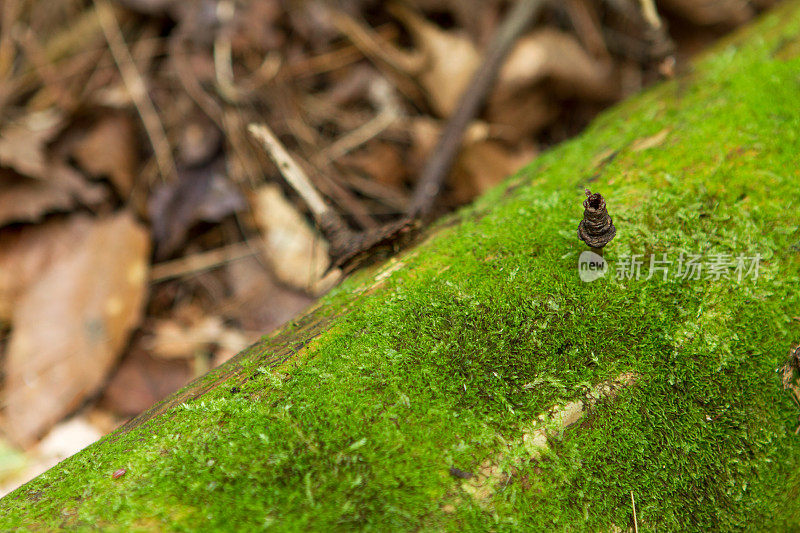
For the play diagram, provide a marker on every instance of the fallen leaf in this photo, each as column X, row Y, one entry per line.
column 142, row 380
column 545, row 66
column 65, row 439
column 26, row 252
column 482, row 165
column 23, row 143
column 297, row 253
column 110, row 149
column 198, row 195
column 448, row 60
column 200, row 140
column 381, row 161
column 711, row 12
column 258, row 302
column 28, row 200
column 558, row 57
column 172, row 340
column 70, row 324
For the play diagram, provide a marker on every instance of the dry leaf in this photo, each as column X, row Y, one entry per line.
column 70, row 324
column 25, row 199
column 110, row 149
column 710, row 12
column 22, row 144
column 26, row 252
column 252, row 285
column 297, row 253
column 64, row 440
column 142, row 380
column 521, row 102
column 172, row 340
column 199, row 195
column 380, row 161
column 482, row 165
column 449, row 60
column 558, row 57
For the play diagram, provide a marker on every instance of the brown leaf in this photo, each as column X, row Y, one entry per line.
column 25, row 199
column 22, row 144
column 545, row 66
column 449, row 60
column 172, row 340
column 710, row 12
column 110, row 149
column 142, row 380
column 199, row 195
column 482, row 165
column 559, row 58
column 252, row 285
column 69, row 325
column 380, row 161
column 27, row 252
column 298, row 254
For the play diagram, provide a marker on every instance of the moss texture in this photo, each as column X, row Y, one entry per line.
column 445, row 356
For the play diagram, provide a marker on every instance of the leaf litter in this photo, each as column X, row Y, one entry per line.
column 123, row 149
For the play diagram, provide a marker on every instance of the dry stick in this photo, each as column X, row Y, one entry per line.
column 650, row 13
column 440, row 163
column 193, row 264
column 137, row 89
column 635, row 522
column 328, row 220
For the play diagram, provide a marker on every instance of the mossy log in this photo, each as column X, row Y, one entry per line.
column 474, row 382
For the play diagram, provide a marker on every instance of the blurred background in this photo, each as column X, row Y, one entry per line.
column 145, row 238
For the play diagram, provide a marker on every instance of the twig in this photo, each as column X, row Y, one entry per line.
column 347, row 248
column 650, row 13
column 201, row 262
column 290, row 169
column 328, row 220
column 137, row 89
column 440, row 163
column 587, row 26
column 388, row 112
column 635, row 522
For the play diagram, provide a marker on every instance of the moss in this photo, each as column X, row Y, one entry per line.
column 444, row 362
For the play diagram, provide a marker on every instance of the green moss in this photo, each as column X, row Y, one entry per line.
column 445, row 361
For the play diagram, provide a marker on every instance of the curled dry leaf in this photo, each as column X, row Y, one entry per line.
column 65, row 439
column 297, row 253
column 27, row 200
column 558, row 57
column 71, row 322
column 380, row 161
column 251, row 285
column 482, row 162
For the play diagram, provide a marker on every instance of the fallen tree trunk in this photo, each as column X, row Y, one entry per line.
column 475, row 381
